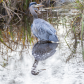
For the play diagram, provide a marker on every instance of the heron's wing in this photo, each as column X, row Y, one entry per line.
column 48, row 26
column 43, row 26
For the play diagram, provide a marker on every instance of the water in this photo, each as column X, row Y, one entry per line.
column 58, row 63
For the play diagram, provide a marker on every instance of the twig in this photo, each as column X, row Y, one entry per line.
column 9, row 11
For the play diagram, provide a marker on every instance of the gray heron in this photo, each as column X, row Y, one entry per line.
column 43, row 30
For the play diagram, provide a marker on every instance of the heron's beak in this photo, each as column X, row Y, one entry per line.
column 38, row 6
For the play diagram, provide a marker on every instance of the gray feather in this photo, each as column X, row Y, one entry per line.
column 43, row 30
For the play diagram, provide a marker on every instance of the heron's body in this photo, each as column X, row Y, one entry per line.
column 42, row 29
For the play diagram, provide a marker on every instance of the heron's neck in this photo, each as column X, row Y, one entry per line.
column 33, row 13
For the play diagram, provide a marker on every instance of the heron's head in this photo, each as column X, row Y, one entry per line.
column 32, row 4
column 35, row 7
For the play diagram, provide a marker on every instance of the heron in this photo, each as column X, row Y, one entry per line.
column 41, row 29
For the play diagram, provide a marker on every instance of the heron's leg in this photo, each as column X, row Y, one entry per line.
column 34, row 71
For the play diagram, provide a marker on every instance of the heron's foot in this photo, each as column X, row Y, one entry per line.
column 34, row 72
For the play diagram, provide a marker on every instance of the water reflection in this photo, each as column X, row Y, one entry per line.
column 42, row 51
